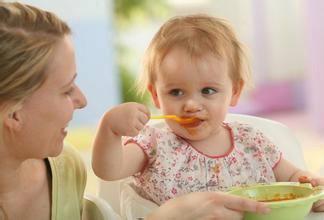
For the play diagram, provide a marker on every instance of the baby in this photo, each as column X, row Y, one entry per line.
column 195, row 67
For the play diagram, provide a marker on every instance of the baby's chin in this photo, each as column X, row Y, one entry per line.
column 191, row 135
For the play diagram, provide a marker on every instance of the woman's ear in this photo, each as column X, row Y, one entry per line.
column 12, row 120
column 154, row 96
column 237, row 90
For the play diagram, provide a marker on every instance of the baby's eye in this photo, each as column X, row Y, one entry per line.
column 176, row 92
column 208, row 91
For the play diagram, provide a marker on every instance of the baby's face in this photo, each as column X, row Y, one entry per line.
column 194, row 87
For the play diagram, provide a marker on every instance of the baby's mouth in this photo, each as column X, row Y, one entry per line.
column 194, row 123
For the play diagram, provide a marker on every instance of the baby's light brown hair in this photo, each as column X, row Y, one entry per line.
column 198, row 35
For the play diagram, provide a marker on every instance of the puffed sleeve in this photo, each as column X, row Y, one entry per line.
column 257, row 143
column 266, row 147
column 146, row 140
column 269, row 149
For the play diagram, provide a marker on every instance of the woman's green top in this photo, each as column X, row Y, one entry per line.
column 68, row 183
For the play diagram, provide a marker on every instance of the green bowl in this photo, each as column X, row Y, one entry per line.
column 287, row 200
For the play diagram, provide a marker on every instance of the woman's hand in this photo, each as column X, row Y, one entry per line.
column 315, row 181
column 127, row 119
column 207, row 205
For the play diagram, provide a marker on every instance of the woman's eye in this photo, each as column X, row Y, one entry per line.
column 69, row 92
column 208, row 91
column 176, row 92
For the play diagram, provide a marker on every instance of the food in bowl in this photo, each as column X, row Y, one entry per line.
column 280, row 197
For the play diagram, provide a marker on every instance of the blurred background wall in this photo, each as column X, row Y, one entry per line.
column 94, row 36
column 285, row 54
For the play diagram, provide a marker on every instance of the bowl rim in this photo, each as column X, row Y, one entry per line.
column 314, row 196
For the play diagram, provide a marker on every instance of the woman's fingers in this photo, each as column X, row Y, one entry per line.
column 246, row 205
column 318, row 206
column 230, row 214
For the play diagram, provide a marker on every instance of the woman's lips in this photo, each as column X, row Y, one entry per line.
column 64, row 131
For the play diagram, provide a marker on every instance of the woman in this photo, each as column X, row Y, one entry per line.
column 39, row 178
column 37, row 99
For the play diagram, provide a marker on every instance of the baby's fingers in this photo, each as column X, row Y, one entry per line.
column 304, row 179
column 144, row 109
column 133, row 131
column 317, row 181
column 131, row 128
column 143, row 118
column 135, row 127
column 318, row 206
column 313, row 181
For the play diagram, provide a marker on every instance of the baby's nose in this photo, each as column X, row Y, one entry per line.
column 192, row 106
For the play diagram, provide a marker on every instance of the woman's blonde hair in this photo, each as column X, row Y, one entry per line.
column 198, row 35
column 27, row 38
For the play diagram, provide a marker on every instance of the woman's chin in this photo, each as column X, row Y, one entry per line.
column 57, row 150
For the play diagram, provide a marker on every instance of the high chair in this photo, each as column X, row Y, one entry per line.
column 126, row 202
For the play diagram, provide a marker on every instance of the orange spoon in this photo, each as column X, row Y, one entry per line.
column 175, row 118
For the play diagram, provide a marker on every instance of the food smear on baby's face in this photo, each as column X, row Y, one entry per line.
column 190, row 124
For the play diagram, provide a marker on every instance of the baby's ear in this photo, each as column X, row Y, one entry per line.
column 154, row 96
column 236, row 93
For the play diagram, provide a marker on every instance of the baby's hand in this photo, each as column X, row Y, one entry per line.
column 316, row 181
column 127, row 119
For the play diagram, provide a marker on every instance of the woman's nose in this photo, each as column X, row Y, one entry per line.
column 80, row 101
column 192, row 106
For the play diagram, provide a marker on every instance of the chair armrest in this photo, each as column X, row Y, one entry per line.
column 95, row 208
column 133, row 206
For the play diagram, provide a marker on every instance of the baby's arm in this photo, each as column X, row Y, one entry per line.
column 287, row 172
column 111, row 160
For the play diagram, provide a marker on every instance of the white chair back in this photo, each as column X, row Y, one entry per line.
column 278, row 133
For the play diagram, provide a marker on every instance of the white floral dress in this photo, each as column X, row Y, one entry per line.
column 175, row 167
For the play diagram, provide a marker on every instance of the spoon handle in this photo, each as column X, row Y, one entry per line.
column 162, row 116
